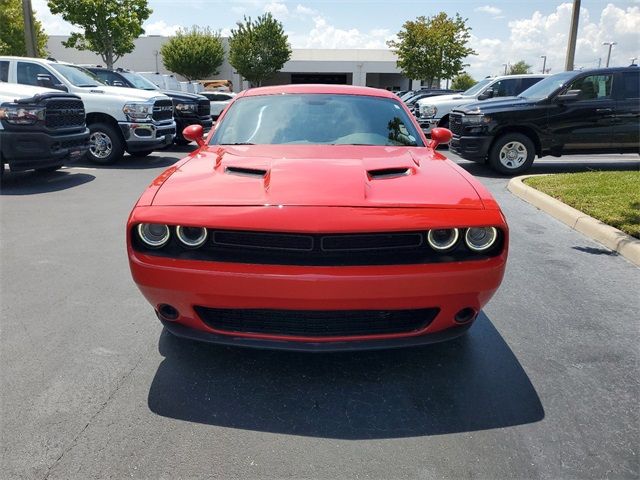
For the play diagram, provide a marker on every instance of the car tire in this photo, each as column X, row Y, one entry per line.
column 143, row 153
column 512, row 154
column 53, row 168
column 106, row 146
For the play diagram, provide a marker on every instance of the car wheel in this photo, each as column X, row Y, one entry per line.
column 48, row 169
column 105, row 145
column 512, row 154
column 143, row 153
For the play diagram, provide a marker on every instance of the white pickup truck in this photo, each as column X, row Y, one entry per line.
column 119, row 119
column 434, row 111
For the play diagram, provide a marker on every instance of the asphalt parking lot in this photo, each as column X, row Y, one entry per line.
column 545, row 385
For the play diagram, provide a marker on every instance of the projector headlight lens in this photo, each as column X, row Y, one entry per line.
column 191, row 237
column 480, row 239
column 443, row 239
column 154, row 235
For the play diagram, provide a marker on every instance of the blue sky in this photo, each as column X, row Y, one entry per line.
column 504, row 31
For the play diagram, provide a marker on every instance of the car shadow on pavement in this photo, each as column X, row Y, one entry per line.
column 30, row 182
column 155, row 160
column 472, row 383
column 539, row 167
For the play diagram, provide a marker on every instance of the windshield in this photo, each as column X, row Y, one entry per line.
column 477, row 87
column 547, row 86
column 77, row 76
column 138, row 81
column 316, row 119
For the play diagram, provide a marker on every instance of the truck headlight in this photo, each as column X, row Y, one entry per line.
column 186, row 107
column 18, row 115
column 428, row 111
column 475, row 119
column 138, row 111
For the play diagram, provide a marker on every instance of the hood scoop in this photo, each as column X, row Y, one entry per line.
column 246, row 172
column 385, row 173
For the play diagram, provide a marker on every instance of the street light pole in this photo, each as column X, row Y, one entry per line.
column 544, row 63
column 633, row 60
column 573, row 34
column 505, row 67
column 29, row 32
column 611, row 44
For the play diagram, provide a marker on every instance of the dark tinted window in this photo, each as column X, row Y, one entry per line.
column 109, row 77
column 593, row 87
column 631, row 83
column 28, row 75
column 528, row 82
column 505, row 88
column 4, row 71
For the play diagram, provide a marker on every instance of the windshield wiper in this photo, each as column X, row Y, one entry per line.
column 238, row 143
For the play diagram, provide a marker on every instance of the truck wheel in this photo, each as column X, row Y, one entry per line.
column 512, row 154
column 143, row 153
column 105, row 145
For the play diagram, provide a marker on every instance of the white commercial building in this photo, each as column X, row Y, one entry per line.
column 375, row 68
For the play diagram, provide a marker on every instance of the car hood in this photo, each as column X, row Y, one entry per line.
column 442, row 99
column 124, row 93
column 316, row 175
column 184, row 96
column 491, row 105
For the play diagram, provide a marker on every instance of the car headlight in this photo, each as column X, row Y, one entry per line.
column 18, row 115
column 191, row 237
column 480, row 239
column 428, row 110
column 138, row 111
column 154, row 235
column 186, row 107
column 475, row 119
column 443, row 238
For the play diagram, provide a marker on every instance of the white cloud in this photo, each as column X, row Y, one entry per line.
column 547, row 34
column 52, row 24
column 325, row 35
column 277, row 9
column 302, row 10
column 161, row 28
column 488, row 9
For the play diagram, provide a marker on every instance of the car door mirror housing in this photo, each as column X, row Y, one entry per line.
column 488, row 93
column 569, row 96
column 440, row 136
column 194, row 133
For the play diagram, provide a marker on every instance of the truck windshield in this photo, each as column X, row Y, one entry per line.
column 77, row 76
column 477, row 87
column 138, row 81
column 547, row 86
column 315, row 119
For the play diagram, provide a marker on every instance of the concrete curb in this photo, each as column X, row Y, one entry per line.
column 610, row 237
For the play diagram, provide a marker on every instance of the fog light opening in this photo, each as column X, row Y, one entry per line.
column 465, row 315
column 167, row 312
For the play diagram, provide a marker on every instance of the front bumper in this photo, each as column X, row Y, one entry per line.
column 471, row 147
column 29, row 150
column 147, row 136
column 427, row 124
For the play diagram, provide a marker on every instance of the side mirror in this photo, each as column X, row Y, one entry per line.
column 569, row 96
column 439, row 136
column 194, row 133
column 488, row 93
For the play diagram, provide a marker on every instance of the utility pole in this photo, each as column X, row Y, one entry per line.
column 505, row 67
column 611, row 44
column 544, row 63
column 599, row 62
column 29, row 32
column 573, row 34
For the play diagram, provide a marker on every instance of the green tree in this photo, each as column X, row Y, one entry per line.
column 195, row 53
column 258, row 49
column 463, row 81
column 519, row 68
column 431, row 48
column 110, row 26
column 12, row 30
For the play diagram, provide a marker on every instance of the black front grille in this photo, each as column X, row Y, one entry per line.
column 317, row 323
column 163, row 110
column 455, row 124
column 204, row 108
column 67, row 113
column 270, row 248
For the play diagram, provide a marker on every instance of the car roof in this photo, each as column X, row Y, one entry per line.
column 320, row 88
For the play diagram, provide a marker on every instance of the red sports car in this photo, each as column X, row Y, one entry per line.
column 317, row 217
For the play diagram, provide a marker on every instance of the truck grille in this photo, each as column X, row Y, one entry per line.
column 204, row 108
column 67, row 113
column 163, row 110
column 455, row 124
column 317, row 323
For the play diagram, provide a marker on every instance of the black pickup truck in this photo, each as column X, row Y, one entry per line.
column 188, row 108
column 40, row 129
column 578, row 112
